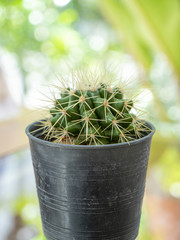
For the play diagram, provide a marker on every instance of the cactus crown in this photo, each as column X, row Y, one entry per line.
column 92, row 110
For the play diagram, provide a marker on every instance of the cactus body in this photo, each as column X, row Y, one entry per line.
column 92, row 112
column 93, row 116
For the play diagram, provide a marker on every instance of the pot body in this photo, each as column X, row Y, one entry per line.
column 90, row 192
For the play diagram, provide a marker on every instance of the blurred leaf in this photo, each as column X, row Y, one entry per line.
column 147, row 26
column 127, row 26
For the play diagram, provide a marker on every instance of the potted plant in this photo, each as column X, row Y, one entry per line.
column 90, row 159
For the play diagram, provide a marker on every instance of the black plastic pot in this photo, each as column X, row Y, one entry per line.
column 90, row 192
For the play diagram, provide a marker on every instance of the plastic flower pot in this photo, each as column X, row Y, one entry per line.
column 90, row 192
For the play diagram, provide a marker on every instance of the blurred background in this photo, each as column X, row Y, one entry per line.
column 39, row 39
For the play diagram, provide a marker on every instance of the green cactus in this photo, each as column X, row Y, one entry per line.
column 93, row 113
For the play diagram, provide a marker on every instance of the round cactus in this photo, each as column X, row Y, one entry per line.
column 92, row 113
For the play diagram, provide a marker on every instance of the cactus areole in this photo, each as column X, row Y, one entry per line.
column 90, row 157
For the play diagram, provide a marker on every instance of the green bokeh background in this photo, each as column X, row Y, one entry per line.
column 45, row 36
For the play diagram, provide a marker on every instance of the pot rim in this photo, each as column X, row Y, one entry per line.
column 105, row 146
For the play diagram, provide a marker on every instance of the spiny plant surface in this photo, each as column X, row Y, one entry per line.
column 92, row 110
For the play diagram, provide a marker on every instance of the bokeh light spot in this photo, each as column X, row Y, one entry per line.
column 61, row 3
column 174, row 113
column 34, row 4
column 51, row 15
column 30, row 211
column 97, row 43
column 36, row 17
column 69, row 16
column 175, row 189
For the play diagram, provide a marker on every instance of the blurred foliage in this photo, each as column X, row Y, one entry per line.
column 169, row 165
column 146, row 27
column 28, row 209
column 144, row 233
column 41, row 34
column 149, row 31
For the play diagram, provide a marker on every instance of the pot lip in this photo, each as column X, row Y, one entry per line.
column 106, row 146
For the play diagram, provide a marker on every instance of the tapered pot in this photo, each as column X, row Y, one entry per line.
column 90, row 192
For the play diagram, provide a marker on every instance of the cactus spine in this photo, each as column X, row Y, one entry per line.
column 93, row 112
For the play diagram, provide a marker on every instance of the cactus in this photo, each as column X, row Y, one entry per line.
column 94, row 112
